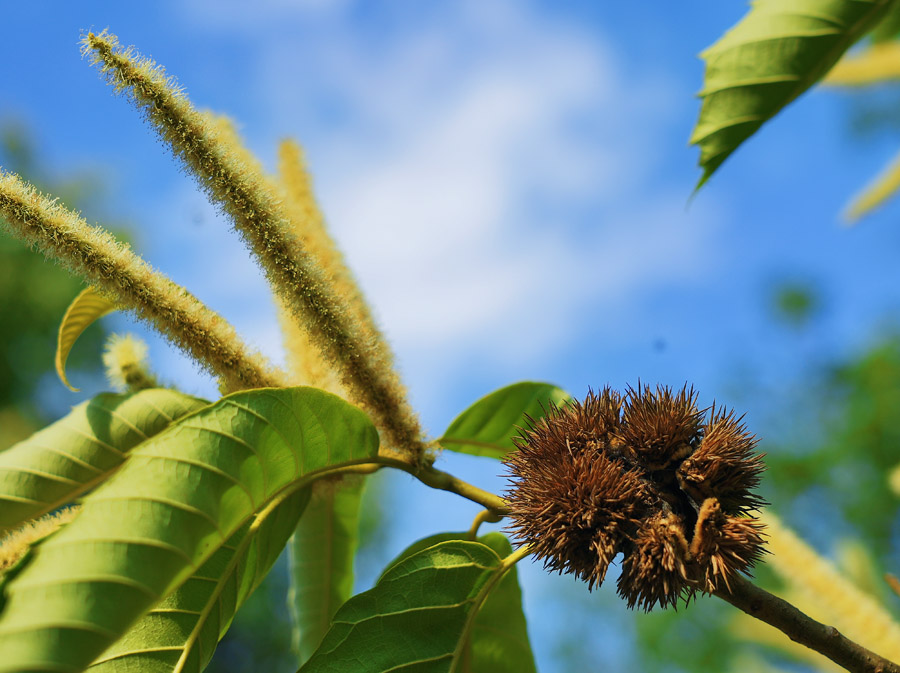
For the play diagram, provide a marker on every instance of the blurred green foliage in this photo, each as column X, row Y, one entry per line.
column 796, row 303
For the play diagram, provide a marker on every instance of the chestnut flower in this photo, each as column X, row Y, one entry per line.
column 646, row 474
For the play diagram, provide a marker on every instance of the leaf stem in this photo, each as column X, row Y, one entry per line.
column 484, row 516
column 801, row 628
column 516, row 556
column 443, row 481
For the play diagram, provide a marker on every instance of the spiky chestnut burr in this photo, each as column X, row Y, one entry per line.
column 648, row 475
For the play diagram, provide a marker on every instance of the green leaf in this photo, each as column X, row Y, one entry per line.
column 774, row 54
column 88, row 307
column 888, row 28
column 321, row 561
column 178, row 499
column 498, row 640
column 487, row 427
column 64, row 460
column 182, row 631
column 423, row 615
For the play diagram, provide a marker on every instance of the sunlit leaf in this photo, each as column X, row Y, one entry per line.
column 178, row 499
column 774, row 54
column 498, row 638
column 67, row 458
column 486, row 428
column 182, row 631
column 88, row 307
column 321, row 561
column 419, row 616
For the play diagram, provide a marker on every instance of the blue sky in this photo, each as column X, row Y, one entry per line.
column 509, row 180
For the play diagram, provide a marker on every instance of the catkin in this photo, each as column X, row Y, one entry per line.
column 127, row 279
column 254, row 207
column 828, row 594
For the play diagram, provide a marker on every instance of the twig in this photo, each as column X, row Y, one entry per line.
column 800, row 628
column 447, row 482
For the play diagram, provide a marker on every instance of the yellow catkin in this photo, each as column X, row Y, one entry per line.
column 746, row 662
column 115, row 270
column 308, row 225
column 16, row 543
column 259, row 216
column 125, row 359
column 876, row 193
column 306, row 366
column 878, row 63
column 827, row 596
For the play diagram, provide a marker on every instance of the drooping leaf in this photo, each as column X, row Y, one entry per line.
column 180, row 634
column 417, row 617
column 321, row 561
column 774, row 54
column 486, row 428
column 876, row 193
column 88, row 307
column 177, row 500
column 64, row 460
column 498, row 638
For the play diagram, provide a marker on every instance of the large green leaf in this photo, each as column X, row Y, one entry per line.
column 774, row 54
column 177, row 500
column 321, row 561
column 182, row 631
column 420, row 616
column 65, row 459
column 487, row 427
column 498, row 638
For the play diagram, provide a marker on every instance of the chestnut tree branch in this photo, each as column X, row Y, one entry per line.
column 801, row 628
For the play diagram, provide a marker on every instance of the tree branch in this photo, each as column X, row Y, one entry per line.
column 800, row 628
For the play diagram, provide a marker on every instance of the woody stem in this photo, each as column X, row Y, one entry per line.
column 801, row 628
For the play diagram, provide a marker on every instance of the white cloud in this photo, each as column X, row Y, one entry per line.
column 456, row 158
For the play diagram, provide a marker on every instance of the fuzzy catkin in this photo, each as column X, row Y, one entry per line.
column 306, row 366
column 114, row 269
column 828, row 594
column 16, row 543
column 125, row 360
column 309, row 226
column 261, row 219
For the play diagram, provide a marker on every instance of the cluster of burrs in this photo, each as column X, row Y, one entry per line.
column 647, row 475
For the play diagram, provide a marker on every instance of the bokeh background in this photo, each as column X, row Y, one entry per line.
column 511, row 182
